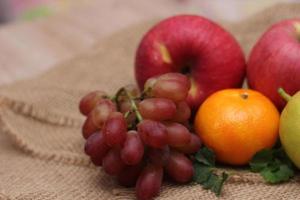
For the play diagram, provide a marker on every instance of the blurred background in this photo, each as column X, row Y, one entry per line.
column 230, row 10
column 35, row 35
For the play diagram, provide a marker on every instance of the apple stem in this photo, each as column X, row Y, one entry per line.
column 284, row 95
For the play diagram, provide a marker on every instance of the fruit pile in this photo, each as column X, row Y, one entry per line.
column 188, row 64
column 139, row 137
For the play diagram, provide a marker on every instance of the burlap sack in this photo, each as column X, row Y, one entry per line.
column 41, row 147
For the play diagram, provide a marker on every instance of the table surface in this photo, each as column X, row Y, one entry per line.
column 29, row 48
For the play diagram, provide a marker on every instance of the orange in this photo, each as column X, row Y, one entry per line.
column 237, row 123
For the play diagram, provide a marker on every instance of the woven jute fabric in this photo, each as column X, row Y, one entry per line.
column 41, row 147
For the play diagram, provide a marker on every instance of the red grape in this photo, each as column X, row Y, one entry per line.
column 112, row 162
column 88, row 102
column 153, row 133
column 159, row 157
column 115, row 129
column 183, row 112
column 132, row 89
column 178, row 135
column 133, row 149
column 149, row 85
column 96, row 147
column 88, row 127
column 97, row 161
column 130, row 174
column 193, row 146
column 179, row 167
column 188, row 125
column 157, row 109
column 101, row 112
column 178, row 77
column 124, row 106
column 149, row 183
column 173, row 86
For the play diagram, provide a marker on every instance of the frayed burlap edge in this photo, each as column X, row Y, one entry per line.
column 39, row 114
column 66, row 158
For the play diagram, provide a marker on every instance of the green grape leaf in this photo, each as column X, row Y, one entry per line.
column 273, row 165
column 205, row 175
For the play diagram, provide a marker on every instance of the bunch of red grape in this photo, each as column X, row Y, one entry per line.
column 138, row 136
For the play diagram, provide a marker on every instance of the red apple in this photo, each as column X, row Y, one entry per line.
column 275, row 61
column 195, row 46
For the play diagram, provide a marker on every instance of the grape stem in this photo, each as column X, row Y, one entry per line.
column 145, row 93
column 133, row 105
column 127, row 114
